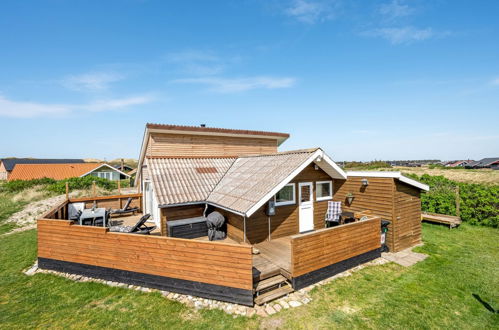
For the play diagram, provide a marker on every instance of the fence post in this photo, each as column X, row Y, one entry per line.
column 458, row 203
column 93, row 188
column 119, row 187
column 67, row 190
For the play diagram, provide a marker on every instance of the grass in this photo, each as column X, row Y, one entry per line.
column 485, row 176
column 436, row 293
column 8, row 206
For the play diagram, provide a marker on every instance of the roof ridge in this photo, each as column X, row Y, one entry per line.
column 191, row 157
column 215, row 129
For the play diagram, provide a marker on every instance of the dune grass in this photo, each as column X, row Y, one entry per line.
column 436, row 293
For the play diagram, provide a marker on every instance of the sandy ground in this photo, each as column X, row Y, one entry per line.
column 460, row 175
column 26, row 218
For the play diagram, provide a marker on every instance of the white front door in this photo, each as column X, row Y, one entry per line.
column 306, row 206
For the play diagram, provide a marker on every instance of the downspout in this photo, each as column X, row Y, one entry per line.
column 269, row 227
column 205, row 209
column 244, row 228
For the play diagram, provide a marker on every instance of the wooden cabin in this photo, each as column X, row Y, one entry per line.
column 273, row 205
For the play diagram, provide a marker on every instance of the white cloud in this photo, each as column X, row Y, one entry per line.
column 19, row 109
column 310, row 12
column 197, row 62
column 234, row 85
column 403, row 35
column 395, row 9
column 495, row 81
column 92, row 81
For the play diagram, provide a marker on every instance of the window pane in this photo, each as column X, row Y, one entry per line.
column 323, row 190
column 285, row 194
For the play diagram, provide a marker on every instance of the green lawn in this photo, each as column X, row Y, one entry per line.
column 7, row 208
column 436, row 293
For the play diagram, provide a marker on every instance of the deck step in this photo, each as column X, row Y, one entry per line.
column 273, row 294
column 269, row 282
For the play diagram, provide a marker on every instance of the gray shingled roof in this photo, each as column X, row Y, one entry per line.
column 184, row 180
column 484, row 162
column 9, row 163
column 250, row 178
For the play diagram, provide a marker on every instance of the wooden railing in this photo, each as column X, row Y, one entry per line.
column 114, row 201
column 324, row 247
column 58, row 212
column 228, row 265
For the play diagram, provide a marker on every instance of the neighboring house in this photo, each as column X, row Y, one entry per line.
column 458, row 163
column 8, row 164
column 65, row 171
column 124, row 168
column 492, row 163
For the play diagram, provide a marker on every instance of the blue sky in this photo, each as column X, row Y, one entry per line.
column 362, row 79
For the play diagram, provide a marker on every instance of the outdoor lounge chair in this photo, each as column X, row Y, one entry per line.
column 126, row 209
column 333, row 213
column 139, row 228
column 76, row 216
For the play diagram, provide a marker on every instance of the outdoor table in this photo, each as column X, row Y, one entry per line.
column 94, row 214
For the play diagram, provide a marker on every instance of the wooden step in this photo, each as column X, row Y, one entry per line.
column 269, row 282
column 274, row 294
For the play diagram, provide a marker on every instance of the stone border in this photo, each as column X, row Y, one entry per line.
column 292, row 300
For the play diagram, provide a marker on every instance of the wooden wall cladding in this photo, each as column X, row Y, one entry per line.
column 312, row 251
column 286, row 220
column 378, row 197
column 178, row 213
column 207, row 262
column 172, row 145
column 407, row 216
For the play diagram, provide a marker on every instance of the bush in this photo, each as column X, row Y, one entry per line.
column 479, row 203
column 367, row 166
column 59, row 187
column 20, row 185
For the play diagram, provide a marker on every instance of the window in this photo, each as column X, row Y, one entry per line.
column 285, row 196
column 323, row 190
column 104, row 175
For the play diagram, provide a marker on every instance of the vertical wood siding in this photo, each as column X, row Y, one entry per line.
column 213, row 263
column 325, row 247
column 407, row 216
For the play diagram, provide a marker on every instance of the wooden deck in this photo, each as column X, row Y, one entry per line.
column 278, row 253
column 450, row 220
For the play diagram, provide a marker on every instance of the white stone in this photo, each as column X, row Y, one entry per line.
column 294, row 303
column 270, row 310
column 284, row 304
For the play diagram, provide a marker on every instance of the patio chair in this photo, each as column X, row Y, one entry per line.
column 333, row 213
column 138, row 228
column 76, row 216
column 126, row 209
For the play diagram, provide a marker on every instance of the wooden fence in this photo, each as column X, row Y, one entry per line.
column 325, row 247
column 220, row 264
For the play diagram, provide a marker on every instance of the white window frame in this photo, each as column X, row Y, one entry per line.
column 287, row 202
column 330, row 190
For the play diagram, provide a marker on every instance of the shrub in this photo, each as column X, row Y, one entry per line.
column 367, row 166
column 479, row 203
column 59, row 187
column 20, row 185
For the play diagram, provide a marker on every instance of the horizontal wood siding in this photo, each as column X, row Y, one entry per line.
column 378, row 197
column 407, row 216
column 312, row 251
column 235, row 225
column 178, row 213
column 213, row 263
column 171, row 145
